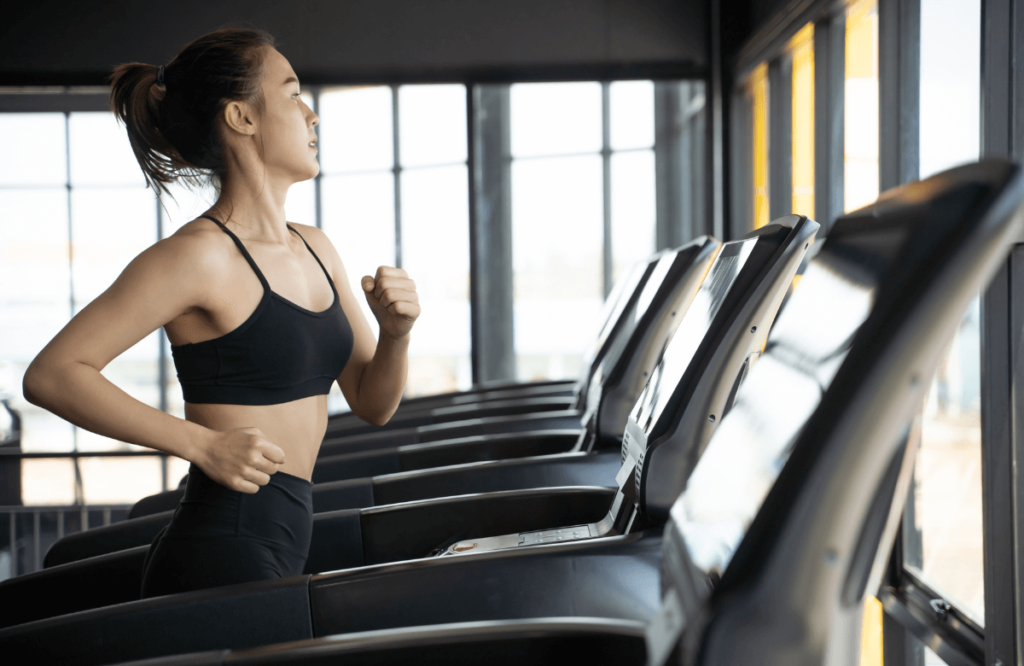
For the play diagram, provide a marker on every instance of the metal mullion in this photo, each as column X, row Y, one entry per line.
column 162, row 354
column 899, row 91
column 606, row 182
column 37, row 556
column 1001, row 403
column 836, row 63
column 14, row 538
column 829, row 97
column 720, row 217
column 899, row 69
column 396, row 169
column 318, row 180
column 79, row 492
column 475, row 330
column 780, row 137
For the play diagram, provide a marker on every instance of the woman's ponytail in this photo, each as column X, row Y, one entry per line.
column 135, row 98
column 173, row 125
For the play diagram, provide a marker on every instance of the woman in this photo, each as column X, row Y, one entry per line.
column 258, row 312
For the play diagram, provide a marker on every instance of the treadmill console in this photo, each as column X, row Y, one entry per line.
column 806, row 347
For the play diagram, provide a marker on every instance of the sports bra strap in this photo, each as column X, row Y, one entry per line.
column 245, row 253
column 312, row 253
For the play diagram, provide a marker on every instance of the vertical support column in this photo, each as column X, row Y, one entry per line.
column 899, row 71
column 606, row 183
column 718, row 139
column 1002, row 368
column 780, row 137
column 490, row 261
column 162, row 353
column 829, row 131
column 668, row 165
column 741, row 219
column 396, row 170
column 318, row 181
column 695, row 154
column 899, row 91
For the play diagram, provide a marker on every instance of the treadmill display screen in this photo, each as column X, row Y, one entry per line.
column 630, row 319
column 807, row 345
column 613, row 307
column 691, row 333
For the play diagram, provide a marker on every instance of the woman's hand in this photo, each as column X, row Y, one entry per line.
column 240, row 459
column 393, row 300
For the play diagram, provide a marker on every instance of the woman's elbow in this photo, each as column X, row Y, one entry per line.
column 37, row 385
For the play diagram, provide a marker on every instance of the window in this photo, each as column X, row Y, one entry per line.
column 571, row 144
column 392, row 190
column 861, row 112
column 947, row 476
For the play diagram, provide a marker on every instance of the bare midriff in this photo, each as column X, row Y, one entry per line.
column 297, row 427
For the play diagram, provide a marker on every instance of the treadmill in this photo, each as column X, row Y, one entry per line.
column 673, row 280
column 643, row 323
column 716, row 339
column 783, row 528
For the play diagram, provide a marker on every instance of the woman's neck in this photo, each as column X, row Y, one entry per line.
column 256, row 205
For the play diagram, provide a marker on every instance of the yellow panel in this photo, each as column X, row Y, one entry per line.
column 759, row 92
column 861, row 19
column 802, row 49
column 871, row 633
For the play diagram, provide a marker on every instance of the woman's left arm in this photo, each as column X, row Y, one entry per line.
column 374, row 377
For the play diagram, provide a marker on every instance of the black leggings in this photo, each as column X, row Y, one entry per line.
column 220, row 536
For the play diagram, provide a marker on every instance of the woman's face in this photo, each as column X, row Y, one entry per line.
column 286, row 126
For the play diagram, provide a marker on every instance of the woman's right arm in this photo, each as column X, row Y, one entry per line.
column 168, row 279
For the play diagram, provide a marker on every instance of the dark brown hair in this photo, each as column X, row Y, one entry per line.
column 174, row 128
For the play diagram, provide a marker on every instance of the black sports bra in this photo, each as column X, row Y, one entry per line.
column 282, row 352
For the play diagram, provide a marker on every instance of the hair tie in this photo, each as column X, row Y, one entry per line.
column 160, row 75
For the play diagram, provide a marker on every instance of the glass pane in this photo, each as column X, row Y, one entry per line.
column 555, row 118
column 631, row 114
column 432, row 124
column 33, row 148
column 758, row 86
column 355, row 129
column 435, row 252
column 48, row 481
column 100, row 151
column 359, row 218
column 633, row 210
column 947, row 498
column 860, row 178
column 110, row 228
column 947, row 476
column 950, row 83
column 300, row 206
column 120, row 480
column 557, row 262
column 35, row 300
column 802, row 50
column 184, row 206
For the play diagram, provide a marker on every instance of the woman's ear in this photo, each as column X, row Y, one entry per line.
column 239, row 117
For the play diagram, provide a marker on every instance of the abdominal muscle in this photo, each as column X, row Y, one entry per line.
column 297, row 427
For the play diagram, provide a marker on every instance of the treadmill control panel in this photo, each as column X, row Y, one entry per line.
column 554, row 536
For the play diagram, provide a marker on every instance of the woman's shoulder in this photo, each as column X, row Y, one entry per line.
column 320, row 242
column 199, row 247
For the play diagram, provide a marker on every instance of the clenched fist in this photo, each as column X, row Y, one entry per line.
column 393, row 300
column 240, row 459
